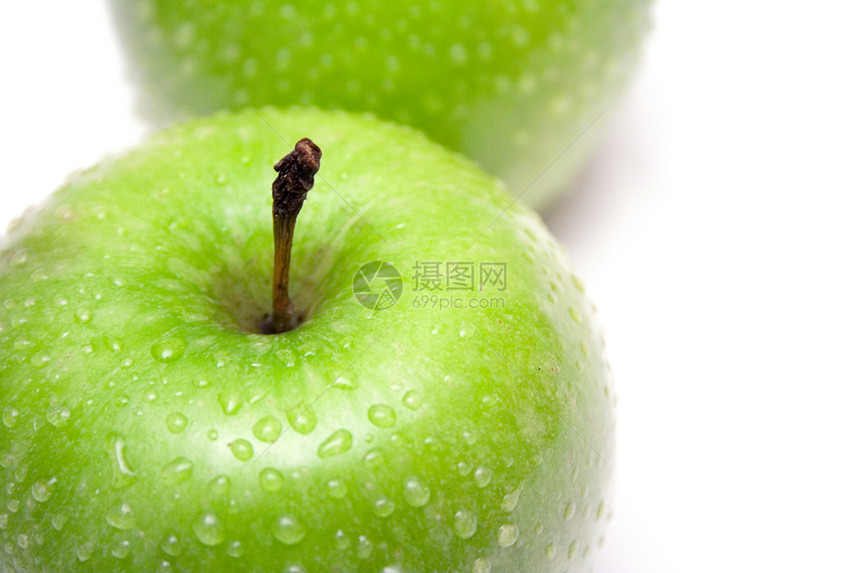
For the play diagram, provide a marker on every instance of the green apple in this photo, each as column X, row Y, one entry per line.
column 149, row 425
column 511, row 84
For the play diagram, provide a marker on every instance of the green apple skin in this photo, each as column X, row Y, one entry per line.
column 146, row 426
column 511, row 84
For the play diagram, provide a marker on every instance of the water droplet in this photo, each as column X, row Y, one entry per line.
column 586, row 349
column 382, row 415
column 220, row 485
column 83, row 316
column 150, row 396
column 337, row 489
column 342, row 383
column 364, row 548
column 235, row 549
column 510, row 500
column 200, row 383
column 42, row 490
column 288, row 531
column 169, row 350
column 120, row 516
column 303, row 420
column 483, row 476
column 13, row 505
column 341, row 540
column 417, row 494
column 58, row 416
column 58, row 520
column 164, row 567
column 177, row 471
column 4, row 521
column 209, row 529
column 383, row 507
column 212, row 434
column 121, row 549
column 482, row 565
column 10, row 416
column 413, row 399
column 575, row 315
column 338, row 443
column 271, row 480
column 85, row 551
column 176, row 422
column 569, row 511
column 464, row 468
column 242, row 449
column 549, row 551
column 23, row 541
column 572, row 549
column 171, row 545
column 268, row 429
column 230, row 402
column 490, row 400
column 465, row 524
column 373, row 458
column 19, row 258
column 508, row 535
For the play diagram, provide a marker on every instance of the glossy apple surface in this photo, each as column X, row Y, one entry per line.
column 147, row 426
column 511, row 84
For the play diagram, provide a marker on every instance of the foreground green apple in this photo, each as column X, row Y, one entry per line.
column 512, row 84
column 147, row 425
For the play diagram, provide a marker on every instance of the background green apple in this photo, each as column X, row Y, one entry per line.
column 510, row 84
column 146, row 426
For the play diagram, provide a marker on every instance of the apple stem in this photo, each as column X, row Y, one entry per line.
column 295, row 178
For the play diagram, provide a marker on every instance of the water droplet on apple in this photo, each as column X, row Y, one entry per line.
column 413, row 399
column 465, row 524
column 220, row 485
column 150, row 396
column 288, row 530
column 200, row 383
column 337, row 489
column 341, row 540
column 177, row 471
column 572, row 549
column 230, row 402
column 169, row 350
column 464, row 468
column 123, row 475
column 549, row 551
column 338, row 443
column 569, row 511
column 417, row 494
column 19, row 258
column 42, row 489
column 212, row 434
column 176, row 422
column 490, row 400
column 575, row 315
column 209, row 529
column 83, row 316
column 13, row 505
column 364, row 548
column 303, row 420
column 4, row 521
column 343, row 383
column 171, row 545
column 508, row 535
column 164, row 567
column 121, row 549
column 58, row 520
column 242, row 449
column 84, row 552
column 235, row 549
column 271, row 480
column 120, row 516
column 58, row 416
column 586, row 349
column 483, row 476
column 482, row 565
column 268, row 429
column 10, row 416
column 383, row 507
column 23, row 540
column 510, row 500
column 382, row 415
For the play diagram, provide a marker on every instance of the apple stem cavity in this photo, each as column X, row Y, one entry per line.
column 295, row 178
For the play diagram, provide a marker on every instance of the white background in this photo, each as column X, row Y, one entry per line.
column 717, row 230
